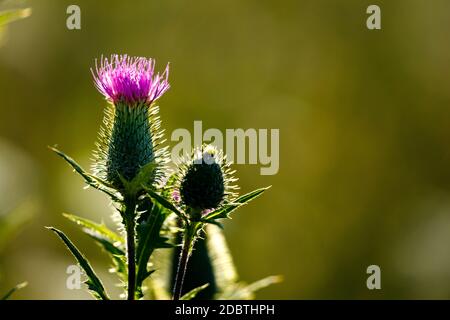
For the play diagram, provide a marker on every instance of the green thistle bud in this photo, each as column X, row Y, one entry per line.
column 204, row 179
column 131, row 145
column 128, row 141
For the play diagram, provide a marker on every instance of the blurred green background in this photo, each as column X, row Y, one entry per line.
column 364, row 125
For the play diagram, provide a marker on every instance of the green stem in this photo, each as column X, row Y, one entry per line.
column 188, row 244
column 131, row 249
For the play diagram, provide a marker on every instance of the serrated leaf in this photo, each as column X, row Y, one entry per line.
column 90, row 179
column 93, row 227
column 147, row 273
column 117, row 255
column 159, row 285
column 226, row 209
column 191, row 294
column 149, row 238
column 110, row 241
column 136, row 185
column 17, row 287
column 8, row 16
column 107, row 244
column 93, row 282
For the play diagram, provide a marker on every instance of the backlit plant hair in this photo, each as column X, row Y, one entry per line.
column 131, row 167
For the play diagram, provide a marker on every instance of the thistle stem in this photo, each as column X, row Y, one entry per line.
column 188, row 244
column 131, row 250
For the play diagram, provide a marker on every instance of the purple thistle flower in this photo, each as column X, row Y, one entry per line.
column 130, row 79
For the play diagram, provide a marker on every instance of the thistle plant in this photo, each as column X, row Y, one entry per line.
column 132, row 168
column 128, row 155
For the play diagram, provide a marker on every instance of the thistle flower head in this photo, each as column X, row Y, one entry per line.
column 205, row 179
column 130, row 137
column 130, row 79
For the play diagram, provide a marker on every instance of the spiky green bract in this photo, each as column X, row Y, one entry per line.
column 205, row 179
column 128, row 141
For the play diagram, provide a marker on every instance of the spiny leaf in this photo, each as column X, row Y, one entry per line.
column 118, row 256
column 93, row 282
column 17, row 287
column 107, row 245
column 8, row 16
column 159, row 285
column 148, row 238
column 226, row 209
column 93, row 227
column 191, row 294
column 110, row 241
column 134, row 186
column 144, row 276
column 90, row 179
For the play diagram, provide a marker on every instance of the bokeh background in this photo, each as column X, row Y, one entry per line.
column 364, row 125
